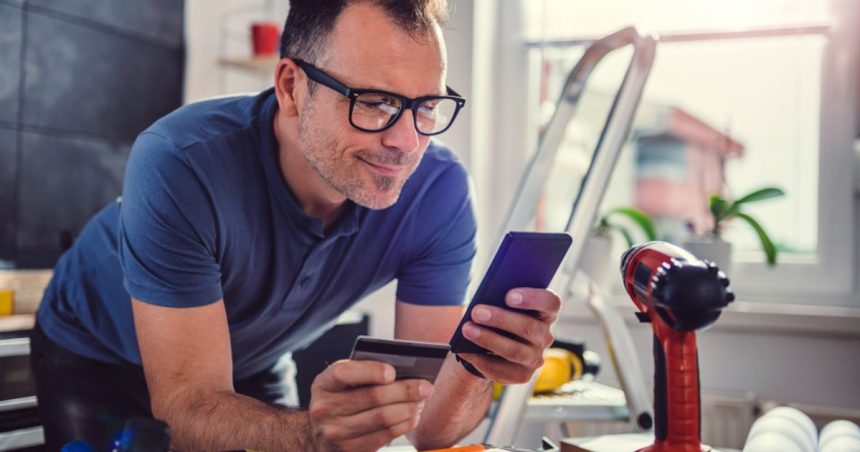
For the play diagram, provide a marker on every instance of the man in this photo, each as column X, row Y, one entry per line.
column 248, row 224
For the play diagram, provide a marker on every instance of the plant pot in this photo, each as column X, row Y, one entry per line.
column 595, row 261
column 711, row 248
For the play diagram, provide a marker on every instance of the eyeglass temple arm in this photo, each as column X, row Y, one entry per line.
column 321, row 77
column 451, row 92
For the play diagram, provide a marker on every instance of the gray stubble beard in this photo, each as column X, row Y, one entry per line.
column 352, row 187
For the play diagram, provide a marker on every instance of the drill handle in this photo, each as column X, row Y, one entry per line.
column 676, row 390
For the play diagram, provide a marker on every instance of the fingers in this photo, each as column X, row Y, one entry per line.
column 542, row 301
column 498, row 369
column 364, row 398
column 527, row 354
column 357, row 405
column 533, row 330
column 380, row 438
column 381, row 418
column 527, row 328
column 518, row 352
column 347, row 374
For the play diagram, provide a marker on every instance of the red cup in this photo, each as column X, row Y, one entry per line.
column 265, row 38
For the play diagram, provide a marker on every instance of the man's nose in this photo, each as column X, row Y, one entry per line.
column 402, row 135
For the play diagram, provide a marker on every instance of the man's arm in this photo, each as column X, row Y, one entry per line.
column 187, row 360
column 460, row 399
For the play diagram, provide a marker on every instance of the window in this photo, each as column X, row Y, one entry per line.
column 768, row 103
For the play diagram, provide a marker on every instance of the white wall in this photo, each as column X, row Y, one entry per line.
column 220, row 29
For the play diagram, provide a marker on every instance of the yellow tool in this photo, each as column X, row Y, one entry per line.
column 7, row 302
column 557, row 369
column 560, row 365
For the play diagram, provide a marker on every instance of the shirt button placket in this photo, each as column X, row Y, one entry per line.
column 301, row 292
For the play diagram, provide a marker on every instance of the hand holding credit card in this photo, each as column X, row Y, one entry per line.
column 410, row 359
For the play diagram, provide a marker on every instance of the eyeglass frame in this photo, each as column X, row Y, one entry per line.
column 319, row 76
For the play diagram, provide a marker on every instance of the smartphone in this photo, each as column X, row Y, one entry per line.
column 524, row 259
column 410, row 359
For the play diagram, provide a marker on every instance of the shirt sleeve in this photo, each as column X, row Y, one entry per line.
column 167, row 228
column 439, row 271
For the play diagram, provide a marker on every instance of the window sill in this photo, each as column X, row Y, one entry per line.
column 754, row 317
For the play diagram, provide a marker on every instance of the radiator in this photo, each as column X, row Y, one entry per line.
column 726, row 420
column 820, row 415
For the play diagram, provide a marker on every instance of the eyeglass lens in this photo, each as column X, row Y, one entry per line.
column 376, row 111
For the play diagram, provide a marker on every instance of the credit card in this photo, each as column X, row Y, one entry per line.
column 410, row 359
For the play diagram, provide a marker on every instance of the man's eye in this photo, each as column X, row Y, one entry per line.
column 377, row 106
column 428, row 108
column 370, row 104
column 377, row 100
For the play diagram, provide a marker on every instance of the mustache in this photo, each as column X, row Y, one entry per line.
column 387, row 157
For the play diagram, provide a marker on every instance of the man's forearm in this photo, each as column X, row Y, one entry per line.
column 227, row 421
column 459, row 402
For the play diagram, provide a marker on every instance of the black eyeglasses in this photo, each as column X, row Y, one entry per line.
column 373, row 110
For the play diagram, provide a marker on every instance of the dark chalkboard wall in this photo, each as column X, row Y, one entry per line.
column 79, row 79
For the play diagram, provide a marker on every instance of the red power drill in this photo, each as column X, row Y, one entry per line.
column 678, row 294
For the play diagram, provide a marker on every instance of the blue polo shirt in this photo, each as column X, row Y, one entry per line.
column 205, row 215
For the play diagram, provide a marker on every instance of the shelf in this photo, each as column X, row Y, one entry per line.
column 253, row 64
column 25, row 437
column 18, row 404
column 576, row 401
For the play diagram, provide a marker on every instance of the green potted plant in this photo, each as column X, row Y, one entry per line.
column 711, row 246
column 599, row 247
column 607, row 224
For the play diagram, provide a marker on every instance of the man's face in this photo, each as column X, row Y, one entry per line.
column 366, row 49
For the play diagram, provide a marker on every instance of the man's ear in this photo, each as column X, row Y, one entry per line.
column 286, row 81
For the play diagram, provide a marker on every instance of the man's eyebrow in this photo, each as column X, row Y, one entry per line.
column 442, row 91
column 439, row 93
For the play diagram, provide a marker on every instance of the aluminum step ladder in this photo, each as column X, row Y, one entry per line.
column 509, row 412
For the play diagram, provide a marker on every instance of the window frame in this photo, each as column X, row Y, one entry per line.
column 831, row 278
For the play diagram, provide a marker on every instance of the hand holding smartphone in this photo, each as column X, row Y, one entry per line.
column 524, row 259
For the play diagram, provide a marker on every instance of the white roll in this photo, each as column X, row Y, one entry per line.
column 839, row 436
column 795, row 430
column 772, row 442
